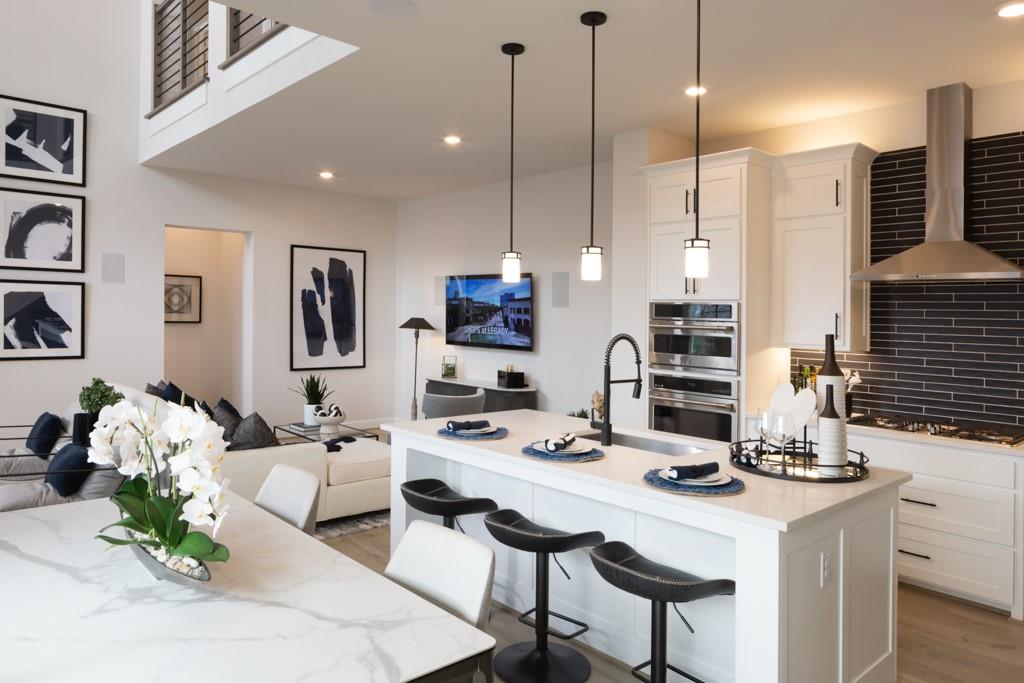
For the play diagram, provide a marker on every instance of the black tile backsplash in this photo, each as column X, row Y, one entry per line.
column 945, row 350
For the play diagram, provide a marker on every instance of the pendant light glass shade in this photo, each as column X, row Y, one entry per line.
column 590, row 263
column 696, row 258
column 511, row 262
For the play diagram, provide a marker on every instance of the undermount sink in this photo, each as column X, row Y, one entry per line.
column 644, row 443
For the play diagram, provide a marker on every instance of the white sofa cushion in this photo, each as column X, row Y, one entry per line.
column 21, row 495
column 364, row 459
column 32, row 466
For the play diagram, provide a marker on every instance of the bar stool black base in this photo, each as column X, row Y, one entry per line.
column 523, row 663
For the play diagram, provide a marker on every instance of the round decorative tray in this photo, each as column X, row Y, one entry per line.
column 798, row 461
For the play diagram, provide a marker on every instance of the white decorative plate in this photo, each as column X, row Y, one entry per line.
column 575, row 449
column 485, row 430
column 716, row 479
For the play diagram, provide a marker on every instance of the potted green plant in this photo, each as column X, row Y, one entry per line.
column 92, row 399
column 314, row 390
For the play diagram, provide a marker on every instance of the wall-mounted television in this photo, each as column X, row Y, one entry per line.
column 481, row 310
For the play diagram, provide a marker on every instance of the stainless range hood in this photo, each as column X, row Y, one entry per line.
column 945, row 255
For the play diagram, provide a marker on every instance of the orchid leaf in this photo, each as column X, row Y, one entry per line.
column 176, row 527
column 137, row 486
column 195, row 544
column 126, row 541
column 128, row 523
column 159, row 511
column 131, row 505
column 220, row 553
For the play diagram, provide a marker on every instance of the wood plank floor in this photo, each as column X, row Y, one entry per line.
column 941, row 640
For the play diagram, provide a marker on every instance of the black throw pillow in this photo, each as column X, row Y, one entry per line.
column 173, row 395
column 253, row 432
column 69, row 468
column 205, row 407
column 226, row 419
column 154, row 390
column 44, row 434
column 226, row 405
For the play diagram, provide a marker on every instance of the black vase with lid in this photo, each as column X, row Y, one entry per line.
column 82, row 427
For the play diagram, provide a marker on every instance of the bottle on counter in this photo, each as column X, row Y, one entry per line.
column 831, row 375
column 831, row 437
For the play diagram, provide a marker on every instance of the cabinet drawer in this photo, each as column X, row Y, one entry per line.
column 983, row 513
column 968, row 567
column 947, row 462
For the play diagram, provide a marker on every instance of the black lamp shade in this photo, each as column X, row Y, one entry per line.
column 415, row 324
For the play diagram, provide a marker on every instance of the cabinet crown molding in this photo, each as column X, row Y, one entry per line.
column 746, row 155
column 853, row 150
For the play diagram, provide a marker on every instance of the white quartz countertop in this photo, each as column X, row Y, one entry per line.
column 285, row 607
column 769, row 502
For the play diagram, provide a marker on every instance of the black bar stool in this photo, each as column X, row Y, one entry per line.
column 626, row 569
column 434, row 497
column 539, row 661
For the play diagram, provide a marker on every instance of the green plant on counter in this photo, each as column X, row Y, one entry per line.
column 313, row 389
column 582, row 412
column 96, row 395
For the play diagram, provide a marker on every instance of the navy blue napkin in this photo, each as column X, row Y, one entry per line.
column 334, row 445
column 693, row 471
column 456, row 426
column 560, row 443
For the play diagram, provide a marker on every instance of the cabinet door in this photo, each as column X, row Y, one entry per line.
column 666, row 260
column 810, row 190
column 671, row 197
column 721, row 191
column 810, row 271
column 723, row 281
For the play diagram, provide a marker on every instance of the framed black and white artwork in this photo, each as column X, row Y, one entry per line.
column 42, row 320
column 41, row 231
column 42, row 141
column 328, row 308
column 183, row 298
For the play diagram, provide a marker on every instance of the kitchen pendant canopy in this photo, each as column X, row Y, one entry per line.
column 697, row 251
column 511, row 260
column 591, row 254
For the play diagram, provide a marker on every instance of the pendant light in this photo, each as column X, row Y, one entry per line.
column 511, row 260
column 590, row 255
column 697, row 251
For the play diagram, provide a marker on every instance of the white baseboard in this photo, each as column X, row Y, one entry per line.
column 370, row 422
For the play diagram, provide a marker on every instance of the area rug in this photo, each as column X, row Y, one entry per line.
column 352, row 525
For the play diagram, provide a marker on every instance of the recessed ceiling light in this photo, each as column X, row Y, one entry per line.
column 326, row 175
column 1011, row 10
column 695, row 90
column 452, row 139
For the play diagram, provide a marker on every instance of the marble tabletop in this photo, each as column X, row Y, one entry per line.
column 286, row 607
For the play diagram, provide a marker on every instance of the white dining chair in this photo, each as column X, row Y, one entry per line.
column 292, row 495
column 450, row 569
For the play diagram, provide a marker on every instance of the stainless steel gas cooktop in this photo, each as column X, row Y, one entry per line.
column 1004, row 435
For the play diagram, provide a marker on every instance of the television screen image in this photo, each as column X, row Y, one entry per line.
column 481, row 310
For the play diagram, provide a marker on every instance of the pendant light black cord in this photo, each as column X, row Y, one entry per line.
column 696, row 173
column 511, row 154
column 593, row 121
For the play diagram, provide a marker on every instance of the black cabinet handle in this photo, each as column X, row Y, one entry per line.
column 694, row 285
column 687, row 202
column 837, row 191
column 686, row 285
column 837, row 325
column 919, row 502
column 907, row 552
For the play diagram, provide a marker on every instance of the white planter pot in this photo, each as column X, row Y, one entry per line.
column 308, row 412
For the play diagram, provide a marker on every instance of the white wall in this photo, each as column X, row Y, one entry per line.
column 463, row 232
column 997, row 109
column 206, row 357
column 95, row 67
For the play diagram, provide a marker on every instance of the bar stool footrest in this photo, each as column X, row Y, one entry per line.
column 524, row 618
column 647, row 679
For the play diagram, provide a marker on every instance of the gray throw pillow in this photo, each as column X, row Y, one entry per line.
column 154, row 390
column 226, row 419
column 101, row 483
column 253, row 432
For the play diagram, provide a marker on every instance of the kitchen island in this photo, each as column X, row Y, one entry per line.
column 813, row 563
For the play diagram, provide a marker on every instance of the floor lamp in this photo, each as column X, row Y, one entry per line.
column 415, row 324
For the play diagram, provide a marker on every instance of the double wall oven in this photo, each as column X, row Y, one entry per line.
column 695, row 369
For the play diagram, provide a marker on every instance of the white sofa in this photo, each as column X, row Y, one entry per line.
column 355, row 480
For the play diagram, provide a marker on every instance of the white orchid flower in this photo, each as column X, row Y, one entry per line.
column 197, row 512
column 180, row 462
column 101, row 454
column 131, row 464
column 192, row 482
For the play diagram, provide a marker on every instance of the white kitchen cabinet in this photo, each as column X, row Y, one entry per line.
column 667, row 281
column 673, row 197
column 820, row 237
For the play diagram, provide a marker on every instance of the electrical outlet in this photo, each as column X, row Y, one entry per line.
column 825, row 575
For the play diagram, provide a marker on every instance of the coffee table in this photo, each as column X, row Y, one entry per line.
column 313, row 436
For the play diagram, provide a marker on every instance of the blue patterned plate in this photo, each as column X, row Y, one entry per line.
column 652, row 478
column 595, row 454
column 499, row 433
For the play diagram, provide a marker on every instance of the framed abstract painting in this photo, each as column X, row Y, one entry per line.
column 42, row 141
column 41, row 231
column 42, row 320
column 328, row 308
column 183, row 298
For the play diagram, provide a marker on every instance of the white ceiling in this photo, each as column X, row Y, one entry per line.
column 432, row 67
